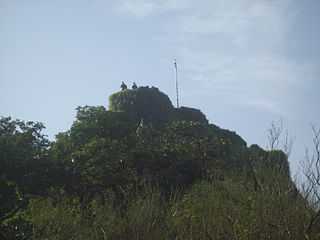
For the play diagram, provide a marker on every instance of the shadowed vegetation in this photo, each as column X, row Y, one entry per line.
column 145, row 170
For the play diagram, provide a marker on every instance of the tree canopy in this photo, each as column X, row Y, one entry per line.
column 140, row 162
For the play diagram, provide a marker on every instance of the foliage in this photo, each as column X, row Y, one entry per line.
column 25, row 169
column 274, row 158
column 189, row 114
column 144, row 170
column 218, row 210
column 229, row 210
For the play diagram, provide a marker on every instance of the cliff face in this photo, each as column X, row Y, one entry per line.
column 153, row 106
column 143, row 103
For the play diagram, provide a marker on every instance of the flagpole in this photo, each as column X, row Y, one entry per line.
column 177, row 87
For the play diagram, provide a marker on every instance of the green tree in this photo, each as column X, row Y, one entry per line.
column 25, row 169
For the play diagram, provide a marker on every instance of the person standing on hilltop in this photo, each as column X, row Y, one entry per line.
column 134, row 85
column 123, row 86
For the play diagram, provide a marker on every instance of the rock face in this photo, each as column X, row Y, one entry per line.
column 153, row 106
column 189, row 114
column 145, row 103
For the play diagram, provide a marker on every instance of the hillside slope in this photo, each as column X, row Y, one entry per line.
column 143, row 169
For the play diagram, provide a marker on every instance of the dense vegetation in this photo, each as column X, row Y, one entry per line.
column 145, row 170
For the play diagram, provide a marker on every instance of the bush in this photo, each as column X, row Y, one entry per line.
column 189, row 114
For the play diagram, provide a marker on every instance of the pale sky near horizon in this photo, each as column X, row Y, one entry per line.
column 244, row 63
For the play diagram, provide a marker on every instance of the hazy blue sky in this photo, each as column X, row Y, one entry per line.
column 244, row 63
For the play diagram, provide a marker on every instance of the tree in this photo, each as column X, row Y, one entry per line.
column 24, row 171
column 311, row 188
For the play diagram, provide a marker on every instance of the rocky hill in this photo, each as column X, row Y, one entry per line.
column 146, row 110
column 143, row 169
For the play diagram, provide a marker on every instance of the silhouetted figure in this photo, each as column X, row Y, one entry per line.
column 123, row 86
column 134, row 86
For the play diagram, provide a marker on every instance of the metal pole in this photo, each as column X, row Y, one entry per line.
column 177, row 87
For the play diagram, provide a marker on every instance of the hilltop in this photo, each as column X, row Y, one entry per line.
column 171, row 146
column 156, row 109
column 152, row 105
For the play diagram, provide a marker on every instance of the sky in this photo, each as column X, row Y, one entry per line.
column 244, row 63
